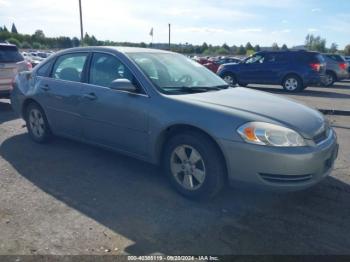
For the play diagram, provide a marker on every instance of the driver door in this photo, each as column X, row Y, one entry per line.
column 112, row 118
column 252, row 71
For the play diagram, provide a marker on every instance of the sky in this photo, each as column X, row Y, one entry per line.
column 193, row 21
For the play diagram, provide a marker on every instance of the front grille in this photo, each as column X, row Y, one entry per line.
column 285, row 178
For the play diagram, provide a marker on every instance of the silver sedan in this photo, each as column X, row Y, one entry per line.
column 163, row 108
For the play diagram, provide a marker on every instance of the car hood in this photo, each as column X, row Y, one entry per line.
column 308, row 122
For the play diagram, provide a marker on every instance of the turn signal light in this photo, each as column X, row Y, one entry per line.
column 250, row 133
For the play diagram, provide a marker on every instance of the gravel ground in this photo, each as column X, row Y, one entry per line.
column 69, row 198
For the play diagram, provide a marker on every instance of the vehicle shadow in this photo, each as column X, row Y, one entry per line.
column 133, row 199
column 6, row 113
column 306, row 92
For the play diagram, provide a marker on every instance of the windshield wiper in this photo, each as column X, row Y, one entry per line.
column 223, row 86
column 197, row 89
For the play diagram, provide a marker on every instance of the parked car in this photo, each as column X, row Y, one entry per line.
column 166, row 109
column 294, row 70
column 347, row 59
column 11, row 62
column 337, row 69
column 214, row 63
column 212, row 66
column 202, row 60
column 227, row 60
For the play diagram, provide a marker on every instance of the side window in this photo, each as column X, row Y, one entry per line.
column 105, row 68
column 44, row 70
column 69, row 67
column 271, row 58
column 276, row 58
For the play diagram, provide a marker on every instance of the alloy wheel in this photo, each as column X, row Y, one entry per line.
column 187, row 166
column 291, row 84
column 37, row 123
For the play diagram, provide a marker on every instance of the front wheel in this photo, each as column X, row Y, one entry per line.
column 37, row 125
column 292, row 83
column 194, row 165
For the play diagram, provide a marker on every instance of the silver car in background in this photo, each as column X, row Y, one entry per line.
column 337, row 69
column 166, row 109
column 11, row 62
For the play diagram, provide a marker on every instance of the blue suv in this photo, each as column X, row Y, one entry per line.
column 294, row 70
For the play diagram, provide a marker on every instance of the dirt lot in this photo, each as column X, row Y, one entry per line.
column 70, row 198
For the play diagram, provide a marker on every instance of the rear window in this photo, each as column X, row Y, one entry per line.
column 337, row 58
column 10, row 54
column 310, row 58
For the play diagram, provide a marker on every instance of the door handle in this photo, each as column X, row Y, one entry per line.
column 45, row 87
column 90, row 96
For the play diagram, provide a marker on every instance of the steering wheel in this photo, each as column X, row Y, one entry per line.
column 185, row 79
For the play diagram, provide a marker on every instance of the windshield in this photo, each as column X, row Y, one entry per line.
column 174, row 73
column 10, row 54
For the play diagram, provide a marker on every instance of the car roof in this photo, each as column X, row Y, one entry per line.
column 7, row 44
column 120, row 49
column 327, row 54
column 287, row 51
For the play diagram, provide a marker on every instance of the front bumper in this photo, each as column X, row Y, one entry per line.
column 286, row 169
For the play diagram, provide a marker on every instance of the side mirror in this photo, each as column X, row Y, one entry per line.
column 123, row 84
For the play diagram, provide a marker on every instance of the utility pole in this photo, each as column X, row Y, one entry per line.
column 81, row 24
column 169, row 35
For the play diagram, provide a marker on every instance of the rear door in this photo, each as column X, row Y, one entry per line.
column 61, row 93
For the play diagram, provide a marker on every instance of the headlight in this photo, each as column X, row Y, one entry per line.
column 266, row 134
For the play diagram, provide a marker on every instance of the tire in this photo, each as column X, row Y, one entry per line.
column 193, row 150
column 292, row 84
column 37, row 124
column 230, row 79
column 330, row 79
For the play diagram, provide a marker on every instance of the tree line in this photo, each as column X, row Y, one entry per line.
column 38, row 40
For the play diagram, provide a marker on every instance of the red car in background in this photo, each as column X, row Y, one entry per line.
column 214, row 63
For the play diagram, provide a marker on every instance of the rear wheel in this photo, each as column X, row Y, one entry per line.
column 230, row 79
column 37, row 125
column 194, row 165
column 329, row 79
column 292, row 83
